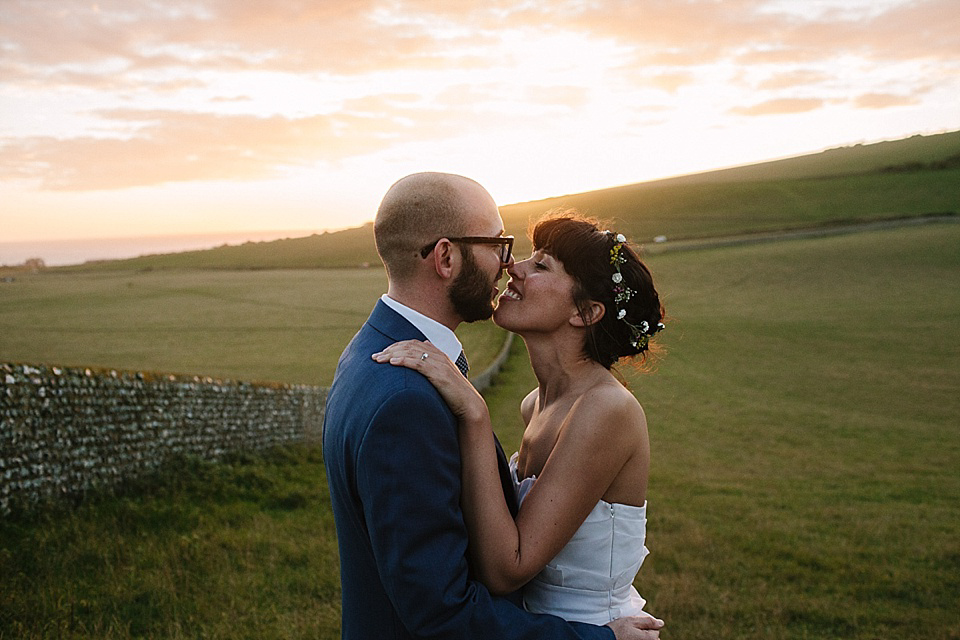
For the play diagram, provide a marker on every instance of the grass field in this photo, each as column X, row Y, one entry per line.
column 804, row 427
column 285, row 326
column 806, row 444
column 804, row 483
column 242, row 549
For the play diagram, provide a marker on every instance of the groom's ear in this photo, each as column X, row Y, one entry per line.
column 588, row 314
column 444, row 259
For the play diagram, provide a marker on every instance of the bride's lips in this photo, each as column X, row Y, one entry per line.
column 511, row 294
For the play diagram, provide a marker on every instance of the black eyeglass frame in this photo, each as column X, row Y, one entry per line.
column 505, row 242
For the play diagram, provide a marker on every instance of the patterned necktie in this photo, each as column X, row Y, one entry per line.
column 462, row 363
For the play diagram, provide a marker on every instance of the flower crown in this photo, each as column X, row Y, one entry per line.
column 639, row 333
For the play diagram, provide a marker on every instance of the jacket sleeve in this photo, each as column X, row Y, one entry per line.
column 408, row 480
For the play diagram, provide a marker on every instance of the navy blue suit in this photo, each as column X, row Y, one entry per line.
column 392, row 457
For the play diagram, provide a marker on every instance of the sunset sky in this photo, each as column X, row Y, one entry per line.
column 135, row 117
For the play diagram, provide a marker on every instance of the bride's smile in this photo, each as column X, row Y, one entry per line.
column 510, row 293
column 538, row 297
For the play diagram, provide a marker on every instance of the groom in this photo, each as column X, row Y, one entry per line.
column 390, row 442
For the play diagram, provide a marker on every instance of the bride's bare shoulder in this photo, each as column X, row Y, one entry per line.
column 610, row 407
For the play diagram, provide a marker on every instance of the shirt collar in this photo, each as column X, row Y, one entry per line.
column 441, row 337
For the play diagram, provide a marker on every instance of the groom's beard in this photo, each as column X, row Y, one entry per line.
column 471, row 291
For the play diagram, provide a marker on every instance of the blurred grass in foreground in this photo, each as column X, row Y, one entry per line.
column 241, row 549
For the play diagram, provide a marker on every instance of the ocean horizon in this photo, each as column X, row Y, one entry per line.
column 59, row 253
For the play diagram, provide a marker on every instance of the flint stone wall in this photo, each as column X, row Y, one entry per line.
column 64, row 430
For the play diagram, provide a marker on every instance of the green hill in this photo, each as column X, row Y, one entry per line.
column 902, row 178
column 916, row 152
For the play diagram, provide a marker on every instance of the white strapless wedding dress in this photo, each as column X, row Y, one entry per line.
column 591, row 579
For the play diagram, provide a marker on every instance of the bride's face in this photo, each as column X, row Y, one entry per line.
column 538, row 298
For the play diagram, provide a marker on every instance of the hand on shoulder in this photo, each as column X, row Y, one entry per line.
column 644, row 627
column 462, row 398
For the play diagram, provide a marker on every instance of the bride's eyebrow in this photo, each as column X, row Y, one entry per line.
column 545, row 254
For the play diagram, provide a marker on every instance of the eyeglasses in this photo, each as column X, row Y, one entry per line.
column 505, row 242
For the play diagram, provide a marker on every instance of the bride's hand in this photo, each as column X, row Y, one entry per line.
column 644, row 627
column 463, row 399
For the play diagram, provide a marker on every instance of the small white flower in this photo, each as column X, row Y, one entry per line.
column 622, row 314
column 644, row 326
column 661, row 326
column 618, row 277
column 621, row 238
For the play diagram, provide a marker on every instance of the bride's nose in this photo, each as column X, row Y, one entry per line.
column 515, row 268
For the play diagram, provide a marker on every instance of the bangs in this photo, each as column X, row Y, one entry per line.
column 605, row 270
column 568, row 238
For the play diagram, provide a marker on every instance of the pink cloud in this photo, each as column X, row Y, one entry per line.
column 670, row 82
column 883, row 101
column 357, row 36
column 165, row 47
column 168, row 146
column 779, row 106
column 791, row 79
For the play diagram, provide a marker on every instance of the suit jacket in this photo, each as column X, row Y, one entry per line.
column 392, row 457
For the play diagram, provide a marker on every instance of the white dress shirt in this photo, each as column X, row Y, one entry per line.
column 441, row 337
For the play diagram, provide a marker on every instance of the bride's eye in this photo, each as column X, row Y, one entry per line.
column 541, row 266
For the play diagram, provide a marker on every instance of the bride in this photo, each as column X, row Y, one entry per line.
column 581, row 302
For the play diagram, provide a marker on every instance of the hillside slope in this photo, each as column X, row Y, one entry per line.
column 901, row 178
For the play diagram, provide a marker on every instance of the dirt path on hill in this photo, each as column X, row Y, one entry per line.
column 778, row 236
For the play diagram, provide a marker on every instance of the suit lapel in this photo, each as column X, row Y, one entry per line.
column 397, row 328
column 506, row 480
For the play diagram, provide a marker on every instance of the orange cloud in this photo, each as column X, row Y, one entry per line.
column 793, row 79
column 169, row 146
column 355, row 36
column 779, row 106
column 117, row 49
column 116, row 44
column 883, row 101
column 556, row 96
column 341, row 36
column 670, row 82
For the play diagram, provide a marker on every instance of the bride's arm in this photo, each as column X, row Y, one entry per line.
column 597, row 440
column 594, row 444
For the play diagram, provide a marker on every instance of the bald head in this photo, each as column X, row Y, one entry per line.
column 421, row 208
